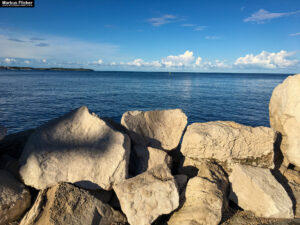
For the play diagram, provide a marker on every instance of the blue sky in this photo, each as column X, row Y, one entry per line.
column 199, row 36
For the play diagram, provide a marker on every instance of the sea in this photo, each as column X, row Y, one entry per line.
column 30, row 98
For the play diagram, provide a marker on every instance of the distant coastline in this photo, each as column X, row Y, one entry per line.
column 51, row 69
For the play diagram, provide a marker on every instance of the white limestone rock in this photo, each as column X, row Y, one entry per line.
column 78, row 148
column 144, row 158
column 145, row 197
column 284, row 110
column 229, row 143
column 205, row 197
column 14, row 198
column 256, row 190
column 160, row 128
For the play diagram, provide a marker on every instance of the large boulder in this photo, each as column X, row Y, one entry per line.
column 77, row 148
column 160, row 129
column 284, row 110
column 2, row 132
column 67, row 204
column 14, row 198
column 205, row 197
column 255, row 189
column 229, row 143
column 143, row 158
column 145, row 197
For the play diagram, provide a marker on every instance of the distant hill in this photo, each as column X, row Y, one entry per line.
column 52, row 69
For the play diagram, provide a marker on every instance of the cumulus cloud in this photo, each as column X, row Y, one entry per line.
column 263, row 15
column 184, row 59
column 27, row 61
column 267, row 60
column 159, row 21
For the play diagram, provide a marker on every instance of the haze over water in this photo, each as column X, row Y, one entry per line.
column 30, row 98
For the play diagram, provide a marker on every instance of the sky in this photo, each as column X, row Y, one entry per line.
column 156, row 35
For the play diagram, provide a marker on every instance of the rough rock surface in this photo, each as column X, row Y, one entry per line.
column 205, row 198
column 284, row 110
column 145, row 197
column 248, row 218
column 67, row 204
column 144, row 158
column 2, row 132
column 77, row 148
column 255, row 189
column 14, row 198
column 229, row 143
column 160, row 129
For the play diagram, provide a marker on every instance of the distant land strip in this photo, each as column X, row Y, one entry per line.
column 52, row 69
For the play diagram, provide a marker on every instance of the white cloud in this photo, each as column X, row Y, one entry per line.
column 184, row 59
column 198, row 61
column 262, row 15
column 99, row 61
column 44, row 60
column 295, row 34
column 27, row 61
column 165, row 19
column 9, row 60
column 267, row 60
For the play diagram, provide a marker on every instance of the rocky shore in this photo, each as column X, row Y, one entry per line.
column 154, row 168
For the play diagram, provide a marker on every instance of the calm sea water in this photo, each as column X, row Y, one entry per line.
column 30, row 98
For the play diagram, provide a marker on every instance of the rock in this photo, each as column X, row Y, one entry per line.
column 255, row 189
column 284, row 110
column 248, row 218
column 67, row 204
column 229, row 143
column 78, row 148
column 13, row 144
column 145, row 197
column 2, row 132
column 160, row 129
column 144, row 158
column 14, row 198
column 205, row 201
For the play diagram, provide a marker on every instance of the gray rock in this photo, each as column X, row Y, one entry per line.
column 159, row 129
column 78, row 148
column 14, row 198
column 284, row 110
column 255, row 189
column 145, row 197
column 67, row 204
